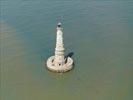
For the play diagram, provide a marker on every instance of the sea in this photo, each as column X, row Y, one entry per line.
column 99, row 34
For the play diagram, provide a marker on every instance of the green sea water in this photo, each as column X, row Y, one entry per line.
column 98, row 32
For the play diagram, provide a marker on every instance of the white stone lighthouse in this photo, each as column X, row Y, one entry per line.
column 58, row 62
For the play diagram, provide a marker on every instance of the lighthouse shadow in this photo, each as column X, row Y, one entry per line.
column 69, row 54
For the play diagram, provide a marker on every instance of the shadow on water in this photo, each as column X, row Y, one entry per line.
column 70, row 54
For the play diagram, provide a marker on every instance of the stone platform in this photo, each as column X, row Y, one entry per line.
column 60, row 69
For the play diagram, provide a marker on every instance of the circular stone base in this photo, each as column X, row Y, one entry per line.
column 66, row 67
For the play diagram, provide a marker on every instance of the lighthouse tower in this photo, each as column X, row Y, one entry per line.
column 59, row 50
column 58, row 62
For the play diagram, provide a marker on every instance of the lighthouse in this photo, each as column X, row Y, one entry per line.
column 58, row 62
